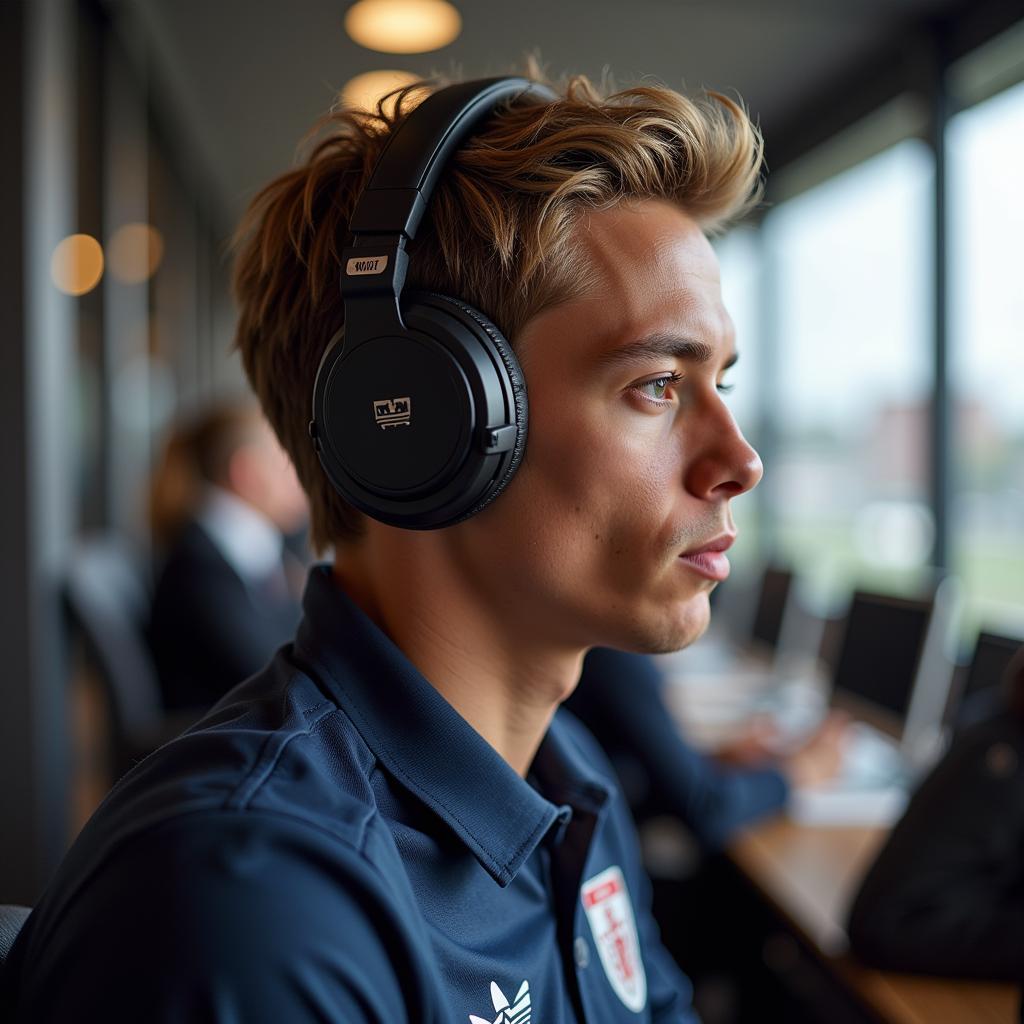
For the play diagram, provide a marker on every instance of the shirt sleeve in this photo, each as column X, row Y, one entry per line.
column 227, row 919
column 946, row 894
column 620, row 699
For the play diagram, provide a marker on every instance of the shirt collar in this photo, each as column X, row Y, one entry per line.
column 429, row 747
column 246, row 539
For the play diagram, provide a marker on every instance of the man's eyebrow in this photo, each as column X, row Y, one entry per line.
column 673, row 345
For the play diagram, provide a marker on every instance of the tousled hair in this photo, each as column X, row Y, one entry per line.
column 498, row 233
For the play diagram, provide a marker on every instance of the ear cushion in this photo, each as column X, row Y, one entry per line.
column 463, row 311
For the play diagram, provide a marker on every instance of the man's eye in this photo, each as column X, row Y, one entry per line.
column 656, row 388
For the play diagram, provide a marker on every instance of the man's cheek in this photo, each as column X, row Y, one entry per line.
column 575, row 477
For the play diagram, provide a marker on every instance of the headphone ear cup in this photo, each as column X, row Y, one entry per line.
column 486, row 331
column 423, row 426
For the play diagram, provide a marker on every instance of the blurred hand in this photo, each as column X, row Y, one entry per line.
column 755, row 745
column 818, row 760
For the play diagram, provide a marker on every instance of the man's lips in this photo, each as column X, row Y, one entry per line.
column 722, row 542
column 709, row 559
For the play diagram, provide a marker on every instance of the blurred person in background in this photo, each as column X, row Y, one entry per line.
column 620, row 699
column 945, row 895
column 223, row 501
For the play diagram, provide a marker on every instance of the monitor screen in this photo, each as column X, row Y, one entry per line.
column 771, row 604
column 881, row 648
column 992, row 655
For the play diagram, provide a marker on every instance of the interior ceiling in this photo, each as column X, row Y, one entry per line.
column 246, row 78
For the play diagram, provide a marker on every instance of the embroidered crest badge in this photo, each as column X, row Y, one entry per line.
column 610, row 914
column 516, row 1012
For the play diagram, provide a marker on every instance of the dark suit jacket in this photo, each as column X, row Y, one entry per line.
column 210, row 629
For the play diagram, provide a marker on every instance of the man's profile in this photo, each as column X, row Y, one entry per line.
column 390, row 822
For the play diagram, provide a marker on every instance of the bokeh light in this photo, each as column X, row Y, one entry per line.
column 363, row 91
column 134, row 252
column 77, row 264
column 403, row 26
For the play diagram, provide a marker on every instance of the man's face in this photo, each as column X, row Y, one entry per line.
column 626, row 466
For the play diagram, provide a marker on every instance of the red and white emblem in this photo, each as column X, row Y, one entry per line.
column 610, row 913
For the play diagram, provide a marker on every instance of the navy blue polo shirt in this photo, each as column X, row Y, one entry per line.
column 334, row 842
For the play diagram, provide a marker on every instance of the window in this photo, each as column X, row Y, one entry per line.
column 739, row 258
column 848, row 476
column 985, row 150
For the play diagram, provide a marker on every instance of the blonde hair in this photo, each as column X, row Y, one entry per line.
column 498, row 233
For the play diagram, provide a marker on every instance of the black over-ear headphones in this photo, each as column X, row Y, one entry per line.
column 419, row 410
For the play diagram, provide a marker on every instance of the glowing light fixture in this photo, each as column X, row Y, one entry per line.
column 134, row 252
column 77, row 264
column 363, row 91
column 403, row 26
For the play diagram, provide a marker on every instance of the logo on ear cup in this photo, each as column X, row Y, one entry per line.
column 392, row 412
column 366, row 265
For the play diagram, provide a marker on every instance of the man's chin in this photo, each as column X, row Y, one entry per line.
column 663, row 635
column 691, row 629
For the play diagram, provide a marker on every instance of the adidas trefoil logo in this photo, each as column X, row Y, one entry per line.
column 517, row 1013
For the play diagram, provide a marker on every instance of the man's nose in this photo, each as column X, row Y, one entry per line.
column 725, row 464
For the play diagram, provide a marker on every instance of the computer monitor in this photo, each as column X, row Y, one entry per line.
column 880, row 653
column 982, row 695
column 773, row 596
column 992, row 656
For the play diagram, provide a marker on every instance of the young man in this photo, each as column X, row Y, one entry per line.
column 390, row 823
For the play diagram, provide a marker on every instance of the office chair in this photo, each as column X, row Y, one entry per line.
column 106, row 595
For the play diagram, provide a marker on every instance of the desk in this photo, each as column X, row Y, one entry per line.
column 809, row 875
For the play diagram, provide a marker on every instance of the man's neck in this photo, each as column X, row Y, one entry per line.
column 506, row 684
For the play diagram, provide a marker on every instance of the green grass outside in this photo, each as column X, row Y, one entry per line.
column 991, row 569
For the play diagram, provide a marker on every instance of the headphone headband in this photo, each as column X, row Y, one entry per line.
column 419, row 408
column 396, row 196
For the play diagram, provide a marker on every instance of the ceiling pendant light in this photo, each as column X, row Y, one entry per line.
column 363, row 91
column 403, row 26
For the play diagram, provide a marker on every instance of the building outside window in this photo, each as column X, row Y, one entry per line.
column 850, row 266
column 739, row 258
column 985, row 150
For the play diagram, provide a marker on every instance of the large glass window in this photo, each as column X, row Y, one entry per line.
column 985, row 147
column 739, row 258
column 848, row 476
